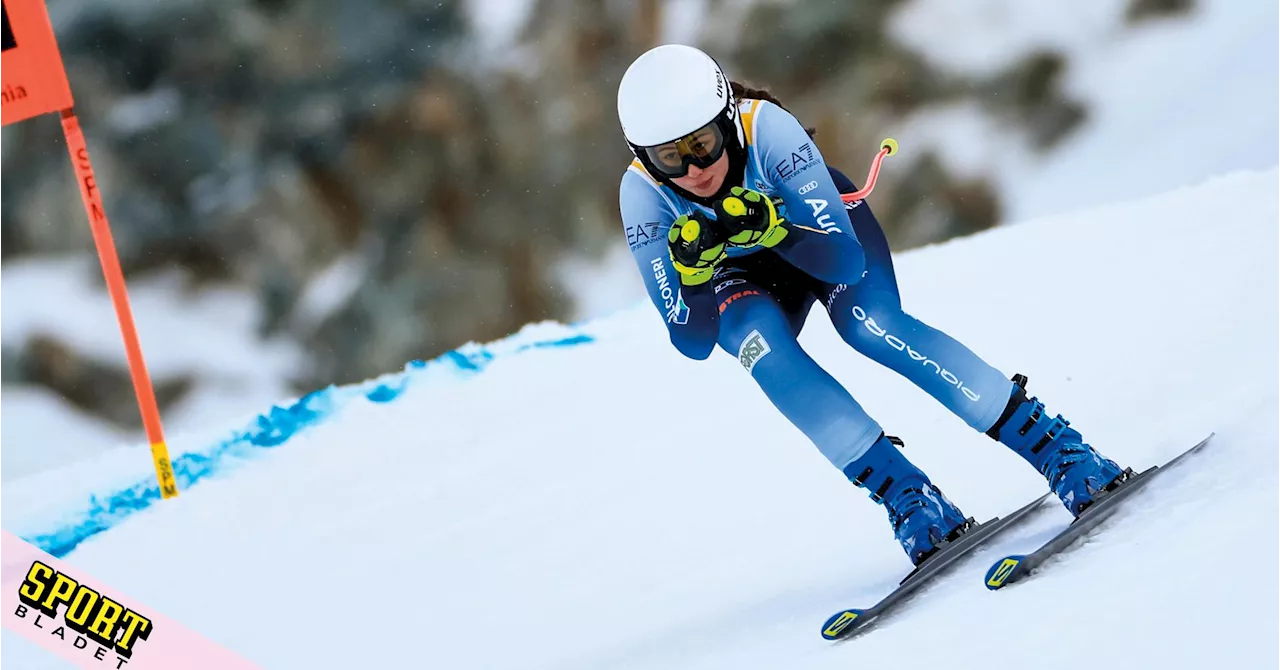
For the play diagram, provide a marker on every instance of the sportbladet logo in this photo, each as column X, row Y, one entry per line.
column 90, row 616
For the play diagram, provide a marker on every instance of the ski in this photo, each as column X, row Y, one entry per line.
column 1012, row 569
column 846, row 623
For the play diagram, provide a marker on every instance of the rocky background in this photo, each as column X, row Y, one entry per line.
column 259, row 144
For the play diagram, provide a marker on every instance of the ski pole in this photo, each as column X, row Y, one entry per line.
column 888, row 147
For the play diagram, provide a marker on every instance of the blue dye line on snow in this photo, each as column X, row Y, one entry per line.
column 268, row 430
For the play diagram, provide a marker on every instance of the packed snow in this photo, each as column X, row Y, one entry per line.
column 615, row 505
column 28, row 415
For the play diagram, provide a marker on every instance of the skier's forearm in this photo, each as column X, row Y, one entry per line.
column 696, row 336
column 834, row 257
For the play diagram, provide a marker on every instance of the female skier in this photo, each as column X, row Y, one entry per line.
column 737, row 227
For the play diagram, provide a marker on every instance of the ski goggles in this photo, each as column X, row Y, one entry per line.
column 703, row 147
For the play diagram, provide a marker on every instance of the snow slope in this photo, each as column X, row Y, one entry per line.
column 574, row 506
column 208, row 334
column 28, row 449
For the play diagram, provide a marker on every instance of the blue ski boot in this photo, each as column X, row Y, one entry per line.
column 922, row 518
column 1075, row 471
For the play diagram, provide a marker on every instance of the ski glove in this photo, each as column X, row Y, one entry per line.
column 697, row 245
column 749, row 219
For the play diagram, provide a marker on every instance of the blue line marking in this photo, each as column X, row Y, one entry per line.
column 268, row 430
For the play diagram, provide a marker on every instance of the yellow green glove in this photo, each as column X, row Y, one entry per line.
column 749, row 218
column 696, row 244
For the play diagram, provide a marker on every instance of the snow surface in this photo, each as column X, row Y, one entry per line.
column 29, row 412
column 208, row 333
column 566, row 507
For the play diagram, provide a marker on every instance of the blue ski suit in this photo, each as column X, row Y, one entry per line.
column 756, row 305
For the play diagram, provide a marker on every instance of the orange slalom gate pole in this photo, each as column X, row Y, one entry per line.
column 91, row 195
column 35, row 83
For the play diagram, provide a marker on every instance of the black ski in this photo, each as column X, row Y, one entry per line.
column 1013, row 569
column 846, row 623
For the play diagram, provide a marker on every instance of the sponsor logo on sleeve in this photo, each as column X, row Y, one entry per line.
column 800, row 159
column 823, row 219
column 642, row 235
column 672, row 301
column 754, row 348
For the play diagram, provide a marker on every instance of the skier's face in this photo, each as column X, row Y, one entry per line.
column 705, row 183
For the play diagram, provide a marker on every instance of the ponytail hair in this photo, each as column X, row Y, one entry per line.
column 742, row 91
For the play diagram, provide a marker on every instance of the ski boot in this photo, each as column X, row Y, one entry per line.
column 1076, row 472
column 922, row 518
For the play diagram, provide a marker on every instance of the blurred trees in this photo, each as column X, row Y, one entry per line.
column 269, row 143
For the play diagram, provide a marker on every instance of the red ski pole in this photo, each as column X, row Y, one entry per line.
column 888, row 147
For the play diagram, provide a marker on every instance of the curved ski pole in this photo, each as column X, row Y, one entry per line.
column 888, row 147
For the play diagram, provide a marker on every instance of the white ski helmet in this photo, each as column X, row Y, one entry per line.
column 671, row 92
